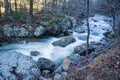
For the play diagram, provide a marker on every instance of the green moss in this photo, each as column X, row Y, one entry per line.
column 19, row 15
column 55, row 20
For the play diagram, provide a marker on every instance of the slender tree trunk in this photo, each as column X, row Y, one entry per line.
column 37, row 5
column 10, row 8
column 7, row 8
column 20, row 6
column 114, row 23
column 15, row 6
column 0, row 9
column 64, row 6
column 88, row 28
column 45, row 3
column 31, row 8
column 25, row 13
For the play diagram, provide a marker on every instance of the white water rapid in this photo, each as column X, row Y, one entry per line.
column 55, row 53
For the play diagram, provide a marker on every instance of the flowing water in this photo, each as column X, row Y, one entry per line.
column 55, row 53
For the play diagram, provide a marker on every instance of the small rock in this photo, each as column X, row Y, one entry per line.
column 66, row 63
column 46, row 64
column 34, row 53
column 81, row 50
column 58, row 77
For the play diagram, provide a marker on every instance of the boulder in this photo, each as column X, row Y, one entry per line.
column 46, row 64
column 8, row 30
column 81, row 50
column 60, row 26
column 23, row 32
column 14, row 65
column 34, row 53
column 39, row 31
column 109, row 34
column 14, row 31
column 64, row 41
column 66, row 63
column 75, row 58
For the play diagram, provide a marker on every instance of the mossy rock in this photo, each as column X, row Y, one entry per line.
column 109, row 34
column 55, row 20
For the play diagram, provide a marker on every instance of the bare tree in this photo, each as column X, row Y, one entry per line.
column 64, row 6
column 7, row 8
column 88, row 28
column 112, row 8
column 31, row 8
column 0, row 8
column 15, row 5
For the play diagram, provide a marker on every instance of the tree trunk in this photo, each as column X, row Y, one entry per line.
column 0, row 9
column 64, row 6
column 114, row 23
column 88, row 28
column 7, row 8
column 15, row 5
column 25, row 13
column 31, row 8
column 45, row 3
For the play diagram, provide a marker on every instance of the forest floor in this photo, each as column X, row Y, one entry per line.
column 104, row 67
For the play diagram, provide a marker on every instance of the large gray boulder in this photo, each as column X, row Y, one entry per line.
column 8, row 30
column 61, row 26
column 23, row 31
column 39, row 31
column 15, row 31
column 14, row 66
column 45, row 64
column 64, row 41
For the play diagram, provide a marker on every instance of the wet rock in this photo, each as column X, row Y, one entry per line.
column 79, row 29
column 46, row 73
column 34, row 53
column 69, row 32
column 82, row 37
column 109, row 34
column 81, row 50
column 66, row 63
column 64, row 41
column 15, row 65
column 39, row 31
column 46, row 64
